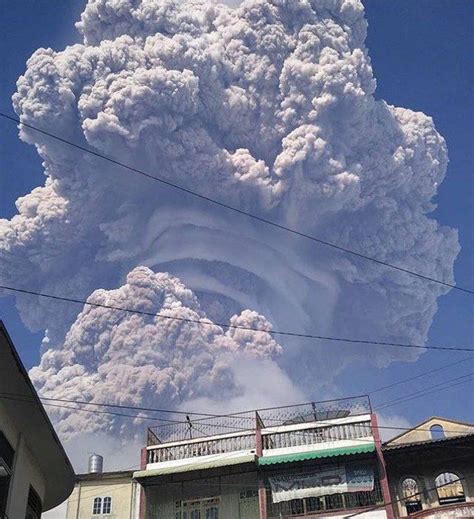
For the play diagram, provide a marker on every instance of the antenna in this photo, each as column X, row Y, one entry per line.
column 190, row 425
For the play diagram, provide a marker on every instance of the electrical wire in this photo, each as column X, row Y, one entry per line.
column 21, row 398
column 405, row 498
column 383, row 388
column 235, row 209
column 231, row 326
column 425, row 394
column 421, row 392
column 252, row 486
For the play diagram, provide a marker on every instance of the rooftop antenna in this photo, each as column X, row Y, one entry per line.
column 190, row 426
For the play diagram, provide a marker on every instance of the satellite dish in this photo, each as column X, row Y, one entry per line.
column 318, row 416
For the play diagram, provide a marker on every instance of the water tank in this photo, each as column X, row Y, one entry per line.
column 96, row 464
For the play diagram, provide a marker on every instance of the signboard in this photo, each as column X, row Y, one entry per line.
column 334, row 480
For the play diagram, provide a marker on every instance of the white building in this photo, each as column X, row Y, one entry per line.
column 104, row 495
column 317, row 459
column 35, row 473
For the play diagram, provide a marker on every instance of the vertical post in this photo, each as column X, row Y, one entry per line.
column 143, row 463
column 79, row 491
column 381, row 468
column 262, row 494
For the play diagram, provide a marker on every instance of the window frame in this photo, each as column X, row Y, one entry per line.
column 437, row 432
column 199, row 505
column 97, row 500
column 419, row 491
column 450, row 500
column 104, row 502
column 34, row 506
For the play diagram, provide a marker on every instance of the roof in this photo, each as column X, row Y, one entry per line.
column 434, row 442
column 311, row 455
column 424, row 422
column 215, row 461
column 37, row 430
column 100, row 476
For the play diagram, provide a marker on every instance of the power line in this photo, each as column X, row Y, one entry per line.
column 231, row 326
column 420, row 375
column 235, row 209
column 22, row 398
column 457, row 381
column 405, row 498
column 94, row 411
column 252, row 486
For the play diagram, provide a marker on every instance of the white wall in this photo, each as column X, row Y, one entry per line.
column 25, row 470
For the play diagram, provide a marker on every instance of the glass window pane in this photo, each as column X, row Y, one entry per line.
column 107, row 506
column 437, row 432
column 450, row 489
column 97, row 506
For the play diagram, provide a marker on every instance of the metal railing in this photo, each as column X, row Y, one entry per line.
column 192, row 449
column 312, row 506
column 315, row 435
column 261, row 418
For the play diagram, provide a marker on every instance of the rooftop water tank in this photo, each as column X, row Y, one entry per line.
column 96, row 464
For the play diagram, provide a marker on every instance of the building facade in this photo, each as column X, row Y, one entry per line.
column 104, row 495
column 311, row 460
column 35, row 473
column 431, row 470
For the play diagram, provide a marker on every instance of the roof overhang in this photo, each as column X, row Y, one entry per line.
column 316, row 454
column 216, row 462
column 31, row 419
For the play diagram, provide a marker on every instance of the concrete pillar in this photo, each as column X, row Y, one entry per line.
column 143, row 463
column 262, row 494
column 381, row 466
column 262, row 498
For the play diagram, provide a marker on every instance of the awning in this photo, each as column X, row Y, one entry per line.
column 218, row 461
column 311, row 455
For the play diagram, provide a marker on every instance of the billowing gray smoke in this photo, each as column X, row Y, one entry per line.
column 269, row 107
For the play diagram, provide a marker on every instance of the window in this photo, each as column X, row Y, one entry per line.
column 6, row 465
column 102, row 506
column 411, row 496
column 308, row 506
column 34, row 506
column 449, row 488
column 107, row 505
column 207, row 508
column 97, row 506
column 437, row 432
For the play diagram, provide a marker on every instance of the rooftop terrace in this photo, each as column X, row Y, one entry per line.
column 269, row 432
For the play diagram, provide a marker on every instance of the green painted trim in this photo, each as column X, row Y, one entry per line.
column 311, row 455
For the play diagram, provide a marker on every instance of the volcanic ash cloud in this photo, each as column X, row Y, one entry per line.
column 269, row 107
column 137, row 359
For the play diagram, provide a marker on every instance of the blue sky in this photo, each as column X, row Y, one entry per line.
column 422, row 57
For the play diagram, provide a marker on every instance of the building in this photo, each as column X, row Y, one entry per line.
column 431, row 470
column 35, row 473
column 104, row 495
column 309, row 460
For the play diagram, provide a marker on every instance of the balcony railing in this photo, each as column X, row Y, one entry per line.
column 313, row 506
column 193, row 448
column 301, row 426
column 262, row 418
column 297, row 437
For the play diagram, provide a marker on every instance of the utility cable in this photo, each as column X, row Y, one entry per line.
column 231, row 326
column 411, row 396
column 406, row 498
column 235, row 209
column 21, row 398
column 383, row 388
